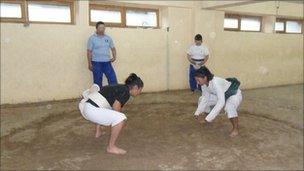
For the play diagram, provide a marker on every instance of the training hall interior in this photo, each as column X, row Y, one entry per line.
column 45, row 68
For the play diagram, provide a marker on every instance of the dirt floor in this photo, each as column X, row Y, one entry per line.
column 160, row 134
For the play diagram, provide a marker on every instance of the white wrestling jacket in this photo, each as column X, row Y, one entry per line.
column 217, row 86
column 95, row 96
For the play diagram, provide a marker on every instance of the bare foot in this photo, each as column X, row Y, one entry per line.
column 116, row 150
column 234, row 133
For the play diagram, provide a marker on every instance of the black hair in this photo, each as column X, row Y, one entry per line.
column 204, row 72
column 99, row 23
column 134, row 80
column 198, row 37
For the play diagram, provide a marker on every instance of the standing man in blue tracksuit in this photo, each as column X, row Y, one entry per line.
column 99, row 58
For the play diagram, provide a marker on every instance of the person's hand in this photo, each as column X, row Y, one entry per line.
column 113, row 59
column 90, row 67
column 197, row 66
column 200, row 119
column 193, row 62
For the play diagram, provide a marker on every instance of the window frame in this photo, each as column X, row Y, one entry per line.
column 25, row 12
column 145, row 10
column 70, row 3
column 15, row 20
column 109, row 8
column 123, row 10
column 284, row 20
column 233, row 16
column 239, row 18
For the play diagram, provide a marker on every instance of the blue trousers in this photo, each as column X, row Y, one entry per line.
column 100, row 68
column 192, row 82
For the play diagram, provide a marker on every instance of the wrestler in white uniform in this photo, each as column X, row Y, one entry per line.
column 214, row 95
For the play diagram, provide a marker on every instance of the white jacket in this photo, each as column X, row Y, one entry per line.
column 217, row 86
column 95, row 96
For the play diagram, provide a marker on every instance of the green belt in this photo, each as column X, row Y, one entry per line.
column 232, row 90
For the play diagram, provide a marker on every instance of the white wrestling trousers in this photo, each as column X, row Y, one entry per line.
column 102, row 116
column 231, row 105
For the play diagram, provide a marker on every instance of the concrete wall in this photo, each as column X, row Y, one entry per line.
column 292, row 10
column 258, row 59
column 180, row 36
column 48, row 61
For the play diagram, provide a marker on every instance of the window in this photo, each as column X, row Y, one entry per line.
column 111, row 15
column 119, row 16
column 293, row 27
column 288, row 26
column 141, row 18
column 49, row 13
column 56, row 11
column 231, row 23
column 279, row 26
column 12, row 11
column 242, row 23
column 250, row 24
column 106, row 16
